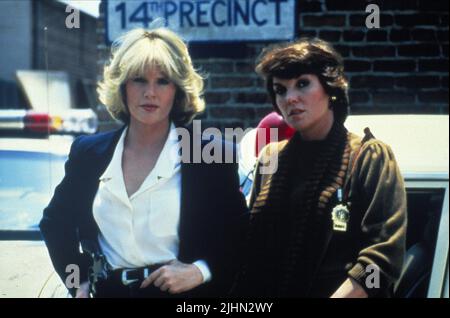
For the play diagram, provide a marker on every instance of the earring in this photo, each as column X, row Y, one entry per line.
column 332, row 101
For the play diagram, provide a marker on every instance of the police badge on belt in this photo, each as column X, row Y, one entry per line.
column 340, row 215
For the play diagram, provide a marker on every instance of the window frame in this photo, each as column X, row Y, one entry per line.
column 439, row 280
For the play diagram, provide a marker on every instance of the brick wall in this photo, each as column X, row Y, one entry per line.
column 402, row 67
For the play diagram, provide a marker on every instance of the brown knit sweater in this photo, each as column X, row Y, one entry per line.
column 292, row 250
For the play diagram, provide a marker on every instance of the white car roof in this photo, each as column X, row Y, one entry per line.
column 58, row 145
column 419, row 142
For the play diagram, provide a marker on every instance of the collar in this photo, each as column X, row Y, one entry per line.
column 166, row 166
column 114, row 169
column 169, row 161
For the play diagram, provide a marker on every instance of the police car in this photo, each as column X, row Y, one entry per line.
column 421, row 145
column 33, row 149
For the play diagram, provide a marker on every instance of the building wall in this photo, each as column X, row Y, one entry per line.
column 23, row 39
column 71, row 50
column 16, row 32
column 402, row 67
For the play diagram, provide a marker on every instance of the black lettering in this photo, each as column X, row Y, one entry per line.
column 140, row 15
column 277, row 10
column 201, row 13
column 213, row 13
column 154, row 6
column 186, row 9
column 245, row 16
column 169, row 9
column 258, row 22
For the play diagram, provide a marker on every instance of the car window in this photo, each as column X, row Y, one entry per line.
column 27, row 182
column 424, row 214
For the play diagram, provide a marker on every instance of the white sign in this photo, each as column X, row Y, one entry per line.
column 206, row 20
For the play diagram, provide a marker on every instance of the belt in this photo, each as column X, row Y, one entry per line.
column 127, row 276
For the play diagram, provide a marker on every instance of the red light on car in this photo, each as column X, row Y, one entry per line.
column 73, row 121
column 40, row 123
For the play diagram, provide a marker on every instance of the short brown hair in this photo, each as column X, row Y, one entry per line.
column 307, row 56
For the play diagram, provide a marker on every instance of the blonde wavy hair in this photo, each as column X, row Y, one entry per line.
column 133, row 54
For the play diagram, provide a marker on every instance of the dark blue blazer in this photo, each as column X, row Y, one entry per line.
column 211, row 205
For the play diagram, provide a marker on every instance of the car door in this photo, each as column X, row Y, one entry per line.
column 425, row 272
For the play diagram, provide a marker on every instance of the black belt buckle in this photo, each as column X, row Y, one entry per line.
column 127, row 281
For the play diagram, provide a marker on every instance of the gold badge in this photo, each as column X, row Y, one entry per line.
column 340, row 215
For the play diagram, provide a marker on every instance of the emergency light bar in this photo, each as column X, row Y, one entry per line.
column 74, row 121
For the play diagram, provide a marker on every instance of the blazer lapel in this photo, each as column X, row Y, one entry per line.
column 97, row 155
column 102, row 151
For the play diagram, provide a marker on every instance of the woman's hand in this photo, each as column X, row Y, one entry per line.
column 175, row 277
column 83, row 291
column 350, row 289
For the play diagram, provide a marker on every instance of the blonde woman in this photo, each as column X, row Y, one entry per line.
column 154, row 227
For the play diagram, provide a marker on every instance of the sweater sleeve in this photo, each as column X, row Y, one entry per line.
column 268, row 155
column 383, row 225
column 256, row 186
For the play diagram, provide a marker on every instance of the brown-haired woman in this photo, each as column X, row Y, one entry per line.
column 331, row 220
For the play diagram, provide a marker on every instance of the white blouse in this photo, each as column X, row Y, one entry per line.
column 142, row 229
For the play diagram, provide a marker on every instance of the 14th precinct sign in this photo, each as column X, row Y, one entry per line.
column 206, row 20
